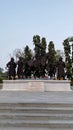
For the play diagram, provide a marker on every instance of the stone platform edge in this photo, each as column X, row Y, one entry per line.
column 36, row 85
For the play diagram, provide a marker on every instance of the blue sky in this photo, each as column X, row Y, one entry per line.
column 20, row 20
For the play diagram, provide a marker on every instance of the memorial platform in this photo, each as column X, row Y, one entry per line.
column 36, row 85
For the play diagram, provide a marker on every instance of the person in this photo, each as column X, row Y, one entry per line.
column 60, row 69
column 20, row 68
column 11, row 65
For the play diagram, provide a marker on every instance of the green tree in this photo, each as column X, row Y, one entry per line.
column 51, row 62
column 3, row 75
column 1, row 71
column 36, row 39
column 44, row 45
column 68, row 49
column 27, row 53
column 52, row 52
column 36, row 42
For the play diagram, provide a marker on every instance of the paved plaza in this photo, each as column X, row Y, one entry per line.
column 41, row 97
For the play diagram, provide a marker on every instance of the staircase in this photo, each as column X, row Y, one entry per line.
column 36, row 116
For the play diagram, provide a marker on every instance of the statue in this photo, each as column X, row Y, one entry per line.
column 60, row 69
column 11, row 65
column 36, row 65
column 20, row 68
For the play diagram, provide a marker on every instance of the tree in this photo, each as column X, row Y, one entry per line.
column 68, row 49
column 36, row 39
column 44, row 45
column 3, row 75
column 51, row 59
column 52, row 52
column 27, row 53
column 36, row 42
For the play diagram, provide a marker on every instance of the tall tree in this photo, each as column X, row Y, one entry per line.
column 68, row 49
column 51, row 59
column 44, row 45
column 36, row 42
column 52, row 52
column 27, row 53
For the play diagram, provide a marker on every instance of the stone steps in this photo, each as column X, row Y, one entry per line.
column 36, row 105
column 36, row 124
column 36, row 111
column 10, row 128
column 36, row 115
column 40, row 117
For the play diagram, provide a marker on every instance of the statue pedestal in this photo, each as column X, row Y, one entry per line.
column 36, row 85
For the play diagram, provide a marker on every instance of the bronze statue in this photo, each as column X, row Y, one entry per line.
column 60, row 69
column 20, row 68
column 11, row 65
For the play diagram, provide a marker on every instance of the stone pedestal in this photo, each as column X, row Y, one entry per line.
column 36, row 85
column 57, row 85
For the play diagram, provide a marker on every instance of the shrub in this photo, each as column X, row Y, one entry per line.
column 1, row 80
column 72, row 82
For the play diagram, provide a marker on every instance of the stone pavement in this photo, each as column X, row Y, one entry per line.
column 34, row 97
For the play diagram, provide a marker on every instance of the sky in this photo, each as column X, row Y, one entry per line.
column 20, row 20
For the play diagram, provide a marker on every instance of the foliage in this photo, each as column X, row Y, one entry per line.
column 72, row 82
column 68, row 57
column 44, row 45
column 1, row 80
column 2, row 75
column 36, row 40
column 52, row 52
column 27, row 53
column 40, row 45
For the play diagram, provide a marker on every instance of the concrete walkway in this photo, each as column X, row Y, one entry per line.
column 35, row 97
